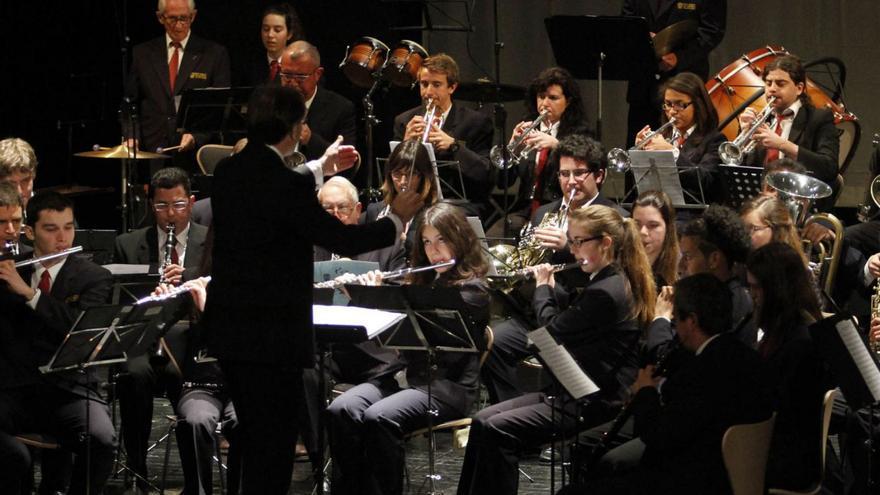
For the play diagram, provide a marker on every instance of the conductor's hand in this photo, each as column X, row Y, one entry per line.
column 816, row 233
column 173, row 274
column 544, row 274
column 551, row 237
column 17, row 285
column 406, row 205
column 339, row 157
column 663, row 306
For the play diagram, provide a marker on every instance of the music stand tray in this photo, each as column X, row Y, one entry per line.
column 741, row 183
column 221, row 111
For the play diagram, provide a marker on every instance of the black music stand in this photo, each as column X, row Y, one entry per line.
column 618, row 48
column 438, row 320
column 741, row 183
column 218, row 111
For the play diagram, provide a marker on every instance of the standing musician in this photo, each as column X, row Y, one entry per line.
column 369, row 421
column 601, row 330
column 694, row 139
column 801, row 132
column 280, row 25
column 259, row 308
column 457, row 132
column 328, row 114
column 408, row 168
column 557, row 93
column 691, row 56
column 38, row 305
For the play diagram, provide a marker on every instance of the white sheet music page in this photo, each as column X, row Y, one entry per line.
column 561, row 365
column 374, row 320
column 856, row 347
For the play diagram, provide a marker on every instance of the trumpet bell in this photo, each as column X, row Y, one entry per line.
column 618, row 160
column 498, row 158
column 730, row 153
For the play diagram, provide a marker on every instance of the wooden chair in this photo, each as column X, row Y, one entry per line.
column 827, row 406
column 745, row 448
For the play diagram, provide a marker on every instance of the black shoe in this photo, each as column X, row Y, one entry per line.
column 549, row 455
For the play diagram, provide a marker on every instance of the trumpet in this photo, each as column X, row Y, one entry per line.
column 529, row 273
column 732, row 152
column 171, row 294
column 508, row 156
column 619, row 159
column 430, row 112
column 39, row 259
column 336, row 282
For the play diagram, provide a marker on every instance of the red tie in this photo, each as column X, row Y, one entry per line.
column 45, row 282
column 175, row 259
column 273, row 70
column 172, row 64
column 539, row 167
column 681, row 139
column 773, row 154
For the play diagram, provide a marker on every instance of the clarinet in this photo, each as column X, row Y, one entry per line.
column 169, row 247
column 661, row 369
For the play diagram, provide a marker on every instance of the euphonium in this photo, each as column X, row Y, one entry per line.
column 732, row 152
column 618, row 158
column 504, row 157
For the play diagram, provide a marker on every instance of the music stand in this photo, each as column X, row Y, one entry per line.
column 618, row 48
column 437, row 320
column 221, row 111
column 442, row 165
column 741, row 183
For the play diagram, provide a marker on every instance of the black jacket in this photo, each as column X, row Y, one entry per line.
column 141, row 247
column 330, row 115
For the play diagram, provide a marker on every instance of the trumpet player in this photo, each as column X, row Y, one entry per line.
column 694, row 138
column 456, row 132
column 800, row 131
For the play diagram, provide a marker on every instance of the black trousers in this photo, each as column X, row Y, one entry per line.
column 266, row 397
column 500, row 433
column 200, row 411
column 499, row 371
column 62, row 414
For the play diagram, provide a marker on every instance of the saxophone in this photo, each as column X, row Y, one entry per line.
column 873, row 343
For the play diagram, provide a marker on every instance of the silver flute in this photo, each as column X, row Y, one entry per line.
column 171, row 294
column 40, row 259
column 335, row 283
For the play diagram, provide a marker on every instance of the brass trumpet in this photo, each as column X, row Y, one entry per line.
column 732, row 152
column 430, row 113
column 618, row 158
column 504, row 157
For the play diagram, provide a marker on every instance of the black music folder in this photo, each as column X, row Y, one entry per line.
column 854, row 366
column 218, row 111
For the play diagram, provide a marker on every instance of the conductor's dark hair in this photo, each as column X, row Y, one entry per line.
column 273, row 112
column 169, row 178
column 46, row 200
column 706, row 297
column 291, row 19
column 720, row 229
column 582, row 148
column 574, row 116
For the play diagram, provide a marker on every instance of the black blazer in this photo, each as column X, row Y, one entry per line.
column 373, row 211
column 818, row 143
column 720, row 387
column 205, row 64
column 266, row 220
column 473, row 131
column 141, row 247
column 330, row 115
column 597, row 330
column 703, row 156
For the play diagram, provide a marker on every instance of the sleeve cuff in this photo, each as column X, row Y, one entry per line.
column 316, row 167
column 34, row 300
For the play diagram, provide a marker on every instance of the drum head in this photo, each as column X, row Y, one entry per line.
column 404, row 63
column 363, row 58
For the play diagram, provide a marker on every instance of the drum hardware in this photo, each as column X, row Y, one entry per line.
column 732, row 152
column 363, row 59
column 619, row 159
column 336, row 283
column 504, row 157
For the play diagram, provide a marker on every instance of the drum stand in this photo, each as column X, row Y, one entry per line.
column 370, row 120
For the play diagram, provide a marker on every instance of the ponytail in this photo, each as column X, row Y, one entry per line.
column 631, row 258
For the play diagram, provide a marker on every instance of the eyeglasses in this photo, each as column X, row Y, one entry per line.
column 344, row 210
column 289, row 76
column 577, row 243
column 678, row 105
column 176, row 206
column 400, row 174
column 578, row 173
column 176, row 19
column 754, row 229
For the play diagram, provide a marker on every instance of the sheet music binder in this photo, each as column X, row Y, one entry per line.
column 853, row 365
column 559, row 362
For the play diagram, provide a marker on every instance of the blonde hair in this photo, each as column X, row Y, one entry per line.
column 16, row 155
column 775, row 213
column 627, row 254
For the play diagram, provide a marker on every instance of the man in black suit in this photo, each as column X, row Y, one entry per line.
column 328, row 114
column 18, row 166
column 172, row 201
column 801, row 131
column 682, row 427
column 39, row 304
column 163, row 68
column 457, row 133
column 259, row 301
column 690, row 56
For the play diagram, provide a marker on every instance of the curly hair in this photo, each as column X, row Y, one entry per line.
column 574, row 116
column 452, row 224
column 720, row 229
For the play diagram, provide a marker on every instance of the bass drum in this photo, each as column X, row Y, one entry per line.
column 740, row 84
column 363, row 58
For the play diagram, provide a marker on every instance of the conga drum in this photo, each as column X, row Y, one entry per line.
column 362, row 59
column 404, row 63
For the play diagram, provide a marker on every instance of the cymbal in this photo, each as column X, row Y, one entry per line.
column 673, row 36
column 121, row 152
column 486, row 91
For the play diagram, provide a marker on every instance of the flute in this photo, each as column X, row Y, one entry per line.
column 528, row 272
column 40, row 259
column 336, row 283
column 172, row 293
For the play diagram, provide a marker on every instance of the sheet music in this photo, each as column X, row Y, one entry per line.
column 863, row 361
column 374, row 320
column 657, row 171
column 563, row 367
column 124, row 269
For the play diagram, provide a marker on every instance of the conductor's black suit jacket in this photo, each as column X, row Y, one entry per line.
column 266, row 220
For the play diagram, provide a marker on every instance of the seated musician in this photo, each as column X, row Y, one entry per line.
column 655, row 218
column 785, row 305
column 279, row 26
column 601, row 330
column 767, row 220
column 555, row 92
column 457, row 132
column 408, row 167
column 801, row 131
column 694, row 139
column 18, row 166
column 368, row 422
column 682, row 423
column 38, row 305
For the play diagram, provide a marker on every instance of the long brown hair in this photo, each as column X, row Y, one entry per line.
column 775, row 214
column 627, row 254
column 411, row 153
column 452, row 224
column 666, row 264
column 705, row 115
